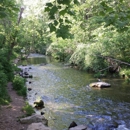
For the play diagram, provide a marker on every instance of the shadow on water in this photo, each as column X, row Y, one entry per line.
column 67, row 97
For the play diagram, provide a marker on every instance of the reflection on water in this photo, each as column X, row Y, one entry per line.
column 68, row 99
column 33, row 60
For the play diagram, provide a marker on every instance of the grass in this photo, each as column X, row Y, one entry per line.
column 4, row 101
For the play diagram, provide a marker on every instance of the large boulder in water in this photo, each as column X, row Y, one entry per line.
column 100, row 84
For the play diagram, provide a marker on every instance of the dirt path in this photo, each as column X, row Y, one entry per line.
column 9, row 114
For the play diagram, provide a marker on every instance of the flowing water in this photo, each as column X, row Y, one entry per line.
column 67, row 98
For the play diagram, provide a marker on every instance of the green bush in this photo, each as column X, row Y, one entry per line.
column 22, row 92
column 125, row 72
column 16, row 69
column 7, row 67
column 4, row 97
column 3, row 79
column 18, row 83
column 19, row 86
column 28, row 109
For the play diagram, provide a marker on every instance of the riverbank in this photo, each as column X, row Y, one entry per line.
column 10, row 114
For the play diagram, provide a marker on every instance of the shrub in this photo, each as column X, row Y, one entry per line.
column 18, row 83
column 7, row 67
column 19, row 86
column 4, row 97
column 28, row 109
column 22, row 92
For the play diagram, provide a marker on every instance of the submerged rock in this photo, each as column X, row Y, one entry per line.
column 39, row 104
column 100, row 85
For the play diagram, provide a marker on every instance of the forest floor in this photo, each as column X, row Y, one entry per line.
column 10, row 114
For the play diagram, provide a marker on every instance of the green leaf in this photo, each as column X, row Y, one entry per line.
column 76, row 2
column 102, row 13
column 51, row 16
column 53, row 10
column 60, row 20
column 67, row 21
column 47, row 9
column 63, row 31
column 52, row 27
column 103, row 3
column 71, row 12
column 16, row 9
column 65, row 2
column 2, row 14
column 62, row 12
column 2, row 9
column 49, row 4
column 55, row 22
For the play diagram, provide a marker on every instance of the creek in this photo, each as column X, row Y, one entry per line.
column 67, row 98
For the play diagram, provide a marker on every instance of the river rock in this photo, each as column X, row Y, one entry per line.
column 30, row 76
column 29, row 89
column 73, row 124
column 38, row 126
column 79, row 127
column 100, row 84
column 39, row 104
column 34, row 119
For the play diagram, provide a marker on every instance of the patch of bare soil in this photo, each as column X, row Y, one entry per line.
column 10, row 114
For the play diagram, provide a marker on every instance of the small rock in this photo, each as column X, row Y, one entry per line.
column 42, row 113
column 39, row 104
column 30, row 82
column 73, row 124
column 26, row 73
column 29, row 89
column 30, row 76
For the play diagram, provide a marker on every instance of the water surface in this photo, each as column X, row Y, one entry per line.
column 67, row 98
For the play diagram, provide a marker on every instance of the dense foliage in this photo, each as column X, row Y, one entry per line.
column 8, row 30
column 85, row 33
column 99, row 28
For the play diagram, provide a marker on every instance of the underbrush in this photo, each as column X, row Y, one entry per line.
column 125, row 73
column 5, row 100
column 19, row 86
column 28, row 109
column 4, row 97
